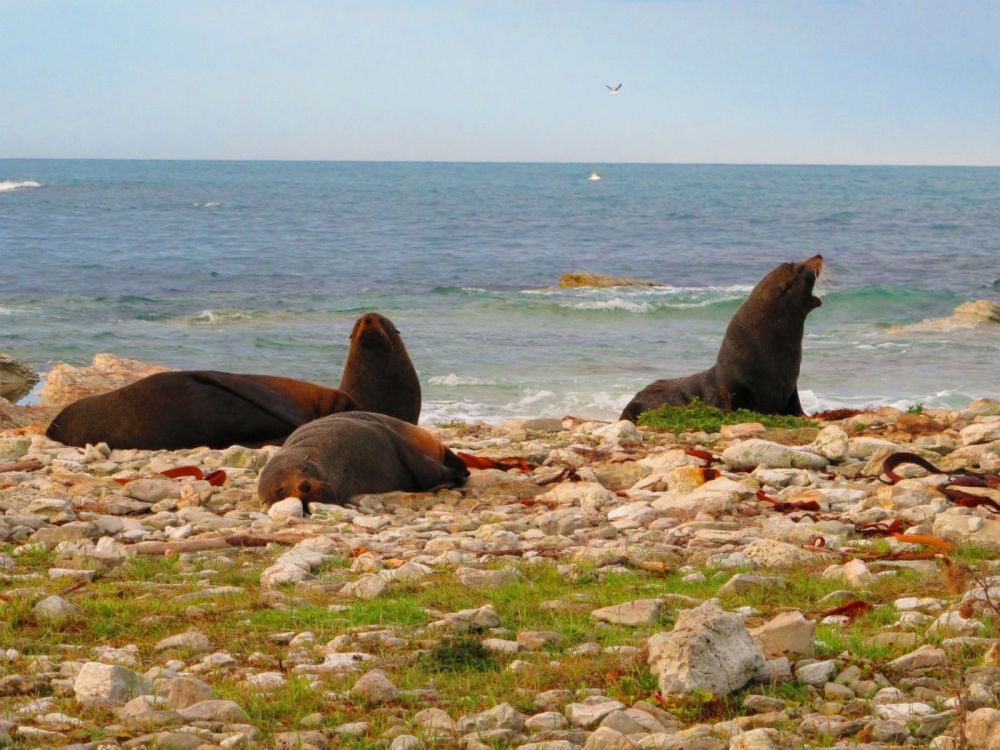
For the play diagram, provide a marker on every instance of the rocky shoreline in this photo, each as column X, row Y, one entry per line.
column 614, row 587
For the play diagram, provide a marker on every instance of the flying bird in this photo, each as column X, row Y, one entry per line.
column 613, row 89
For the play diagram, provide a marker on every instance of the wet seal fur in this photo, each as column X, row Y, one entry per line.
column 378, row 374
column 758, row 363
column 335, row 458
column 192, row 408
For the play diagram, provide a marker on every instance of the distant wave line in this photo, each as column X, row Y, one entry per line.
column 7, row 186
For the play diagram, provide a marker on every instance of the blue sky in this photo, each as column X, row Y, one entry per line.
column 754, row 81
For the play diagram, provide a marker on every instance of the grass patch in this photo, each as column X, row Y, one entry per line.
column 461, row 654
column 700, row 417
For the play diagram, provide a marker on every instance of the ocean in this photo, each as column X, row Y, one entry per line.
column 264, row 266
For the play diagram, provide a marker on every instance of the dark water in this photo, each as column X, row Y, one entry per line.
column 263, row 267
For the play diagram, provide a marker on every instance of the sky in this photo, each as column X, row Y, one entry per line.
column 703, row 81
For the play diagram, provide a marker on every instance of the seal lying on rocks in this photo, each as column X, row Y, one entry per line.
column 337, row 457
column 758, row 364
column 378, row 374
column 192, row 408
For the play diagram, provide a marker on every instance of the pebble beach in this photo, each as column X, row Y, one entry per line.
column 606, row 586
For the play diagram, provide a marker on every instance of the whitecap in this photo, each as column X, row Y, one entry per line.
column 610, row 304
column 453, row 379
column 218, row 317
column 9, row 185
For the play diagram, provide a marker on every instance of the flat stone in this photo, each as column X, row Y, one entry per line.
column 787, row 633
column 744, row 582
column 591, row 711
column 192, row 640
column 224, row 711
column 99, row 684
column 637, row 612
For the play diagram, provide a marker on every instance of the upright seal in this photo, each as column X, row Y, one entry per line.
column 758, row 364
column 378, row 374
column 335, row 458
column 187, row 409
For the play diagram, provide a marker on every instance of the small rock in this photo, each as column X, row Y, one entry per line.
column 374, row 688
column 638, row 612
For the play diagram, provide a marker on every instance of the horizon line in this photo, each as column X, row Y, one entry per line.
column 499, row 161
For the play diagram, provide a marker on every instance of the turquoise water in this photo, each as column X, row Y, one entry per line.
column 263, row 267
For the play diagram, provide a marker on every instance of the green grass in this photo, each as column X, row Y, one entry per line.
column 700, row 417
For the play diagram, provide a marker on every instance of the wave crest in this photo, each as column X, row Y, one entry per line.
column 7, row 186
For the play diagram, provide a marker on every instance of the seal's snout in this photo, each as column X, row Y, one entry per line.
column 815, row 264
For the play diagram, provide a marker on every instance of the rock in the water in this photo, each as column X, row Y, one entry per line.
column 708, row 649
column 600, row 281
column 16, row 379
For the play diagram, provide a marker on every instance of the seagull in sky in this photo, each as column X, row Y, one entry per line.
column 613, row 89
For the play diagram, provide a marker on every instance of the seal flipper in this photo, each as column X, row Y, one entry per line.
column 268, row 399
column 794, row 406
column 428, row 473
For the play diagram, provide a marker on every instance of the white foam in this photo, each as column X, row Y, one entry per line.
column 611, row 304
column 219, row 317
column 8, row 185
column 453, row 379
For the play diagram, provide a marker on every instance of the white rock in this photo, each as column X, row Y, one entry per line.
column 857, row 575
column 981, row 432
column 832, row 442
column 749, row 454
column 708, row 649
column 770, row 553
column 54, row 608
column 637, row 612
column 99, row 684
column 982, row 729
column 290, row 507
column 817, row 673
column 589, row 712
column 788, row 633
column 267, row 680
column 367, row 587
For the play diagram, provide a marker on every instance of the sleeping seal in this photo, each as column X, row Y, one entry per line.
column 758, row 364
column 330, row 460
column 191, row 408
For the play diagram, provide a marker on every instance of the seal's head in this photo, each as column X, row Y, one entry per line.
column 289, row 474
column 376, row 332
column 790, row 286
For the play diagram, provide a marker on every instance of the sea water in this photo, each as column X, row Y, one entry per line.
column 264, row 266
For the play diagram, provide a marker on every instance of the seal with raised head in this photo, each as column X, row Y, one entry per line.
column 192, row 408
column 758, row 363
column 330, row 460
column 378, row 374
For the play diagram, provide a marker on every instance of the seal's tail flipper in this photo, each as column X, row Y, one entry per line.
column 428, row 473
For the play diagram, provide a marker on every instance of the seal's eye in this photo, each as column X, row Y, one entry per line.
column 305, row 487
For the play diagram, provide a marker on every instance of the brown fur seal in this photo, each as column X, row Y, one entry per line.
column 335, row 458
column 758, row 364
column 187, row 409
column 378, row 373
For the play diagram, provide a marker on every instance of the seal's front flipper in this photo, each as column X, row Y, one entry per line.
column 270, row 400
